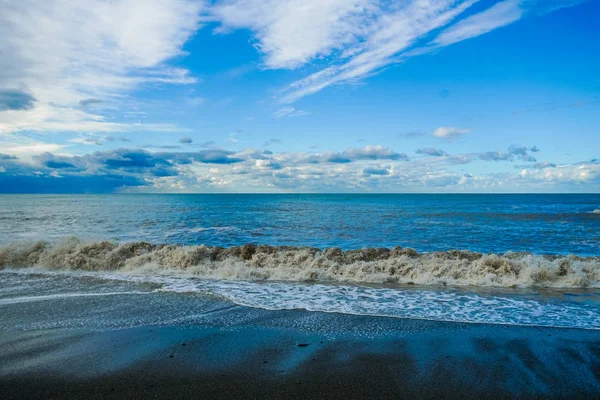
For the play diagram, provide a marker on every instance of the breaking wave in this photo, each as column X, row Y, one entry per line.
column 303, row 264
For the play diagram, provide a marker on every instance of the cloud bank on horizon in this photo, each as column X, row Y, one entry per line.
column 276, row 96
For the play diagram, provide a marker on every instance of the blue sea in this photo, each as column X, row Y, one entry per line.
column 541, row 224
column 499, row 259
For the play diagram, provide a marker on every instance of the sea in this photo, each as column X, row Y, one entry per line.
column 512, row 259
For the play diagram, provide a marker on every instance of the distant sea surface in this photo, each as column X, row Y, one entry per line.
column 522, row 259
column 537, row 223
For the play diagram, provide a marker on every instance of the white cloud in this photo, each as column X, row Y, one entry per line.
column 52, row 118
column 291, row 33
column 359, row 38
column 582, row 172
column 371, row 168
column 32, row 148
column 501, row 14
column 66, row 52
column 449, row 132
column 232, row 136
column 390, row 32
column 377, row 152
column 430, row 151
column 290, row 112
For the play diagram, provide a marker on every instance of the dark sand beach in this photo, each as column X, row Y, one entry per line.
column 299, row 354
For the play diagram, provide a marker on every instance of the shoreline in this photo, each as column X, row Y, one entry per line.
column 79, row 337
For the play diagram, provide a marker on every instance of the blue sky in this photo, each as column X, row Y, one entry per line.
column 300, row 96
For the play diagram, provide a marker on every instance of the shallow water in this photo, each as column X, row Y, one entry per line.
column 78, row 295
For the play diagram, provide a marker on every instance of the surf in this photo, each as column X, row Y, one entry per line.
column 390, row 266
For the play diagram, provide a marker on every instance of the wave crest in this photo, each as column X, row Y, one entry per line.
column 285, row 263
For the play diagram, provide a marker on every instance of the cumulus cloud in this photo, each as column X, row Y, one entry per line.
column 58, row 164
column 46, row 183
column 5, row 157
column 136, row 161
column 251, row 170
column 354, row 154
column 460, row 159
column 513, row 152
column 496, row 156
column 267, row 164
column 540, row 165
column 449, row 132
column 376, row 170
column 522, row 152
column 585, row 172
column 207, row 168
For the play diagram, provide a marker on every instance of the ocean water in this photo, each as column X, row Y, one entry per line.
column 543, row 224
column 501, row 259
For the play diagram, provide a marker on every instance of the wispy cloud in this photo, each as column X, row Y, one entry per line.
column 271, row 142
column 430, row 151
column 232, row 137
column 410, row 135
column 69, row 55
column 449, row 132
column 290, row 112
column 391, row 31
column 501, row 14
column 291, row 33
column 361, row 37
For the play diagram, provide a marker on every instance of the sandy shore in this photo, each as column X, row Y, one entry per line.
column 298, row 354
column 64, row 337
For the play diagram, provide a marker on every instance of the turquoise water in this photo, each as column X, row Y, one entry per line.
column 543, row 224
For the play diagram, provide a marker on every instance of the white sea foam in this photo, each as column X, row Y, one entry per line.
column 417, row 304
column 58, row 296
column 300, row 264
column 414, row 303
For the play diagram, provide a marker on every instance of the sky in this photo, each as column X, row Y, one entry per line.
column 299, row 96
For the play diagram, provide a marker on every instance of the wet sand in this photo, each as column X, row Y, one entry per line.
column 300, row 354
